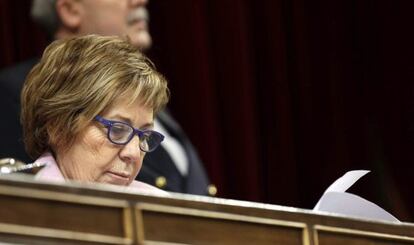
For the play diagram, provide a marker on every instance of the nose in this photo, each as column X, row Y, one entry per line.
column 138, row 3
column 131, row 153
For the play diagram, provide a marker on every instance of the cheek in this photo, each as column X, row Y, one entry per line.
column 138, row 165
column 116, row 21
column 109, row 21
column 94, row 142
column 98, row 150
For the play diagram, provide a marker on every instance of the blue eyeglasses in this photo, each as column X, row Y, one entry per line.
column 121, row 133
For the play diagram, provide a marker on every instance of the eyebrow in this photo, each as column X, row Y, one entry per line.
column 148, row 126
column 127, row 120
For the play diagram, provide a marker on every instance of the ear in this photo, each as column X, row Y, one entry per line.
column 69, row 13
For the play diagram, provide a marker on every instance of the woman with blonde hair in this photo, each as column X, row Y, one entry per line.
column 82, row 106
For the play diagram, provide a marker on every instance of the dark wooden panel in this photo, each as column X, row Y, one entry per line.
column 62, row 215
column 342, row 236
column 196, row 230
column 183, row 225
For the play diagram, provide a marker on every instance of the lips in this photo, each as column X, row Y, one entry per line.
column 139, row 24
column 138, row 15
column 119, row 178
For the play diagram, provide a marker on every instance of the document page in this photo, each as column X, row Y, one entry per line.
column 337, row 200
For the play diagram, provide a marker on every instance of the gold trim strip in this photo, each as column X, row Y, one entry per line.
column 128, row 223
column 315, row 235
column 140, row 229
column 64, row 197
column 306, row 236
column 359, row 233
column 149, row 242
column 61, row 234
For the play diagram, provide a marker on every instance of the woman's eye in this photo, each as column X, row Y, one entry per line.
column 119, row 131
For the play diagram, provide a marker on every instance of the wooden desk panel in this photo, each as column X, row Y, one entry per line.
column 42, row 213
column 325, row 235
column 55, row 216
column 165, row 223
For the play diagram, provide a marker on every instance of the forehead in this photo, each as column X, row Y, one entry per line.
column 106, row 3
column 134, row 111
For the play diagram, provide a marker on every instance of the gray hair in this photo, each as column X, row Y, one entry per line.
column 44, row 13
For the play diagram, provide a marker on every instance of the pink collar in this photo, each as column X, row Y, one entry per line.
column 51, row 173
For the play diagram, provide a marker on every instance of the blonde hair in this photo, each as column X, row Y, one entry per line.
column 77, row 79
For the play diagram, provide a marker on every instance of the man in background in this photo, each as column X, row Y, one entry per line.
column 175, row 166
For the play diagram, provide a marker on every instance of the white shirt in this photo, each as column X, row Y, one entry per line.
column 173, row 148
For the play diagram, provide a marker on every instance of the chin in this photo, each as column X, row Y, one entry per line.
column 142, row 40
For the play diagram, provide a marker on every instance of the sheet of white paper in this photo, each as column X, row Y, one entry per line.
column 353, row 205
column 336, row 200
column 343, row 183
column 347, row 180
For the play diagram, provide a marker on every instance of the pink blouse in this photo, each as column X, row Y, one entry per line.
column 51, row 172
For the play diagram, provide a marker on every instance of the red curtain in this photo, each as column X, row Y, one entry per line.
column 281, row 97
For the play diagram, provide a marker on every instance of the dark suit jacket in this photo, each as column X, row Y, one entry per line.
column 157, row 164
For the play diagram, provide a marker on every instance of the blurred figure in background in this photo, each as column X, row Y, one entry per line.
column 175, row 165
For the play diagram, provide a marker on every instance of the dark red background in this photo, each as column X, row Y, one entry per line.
column 281, row 97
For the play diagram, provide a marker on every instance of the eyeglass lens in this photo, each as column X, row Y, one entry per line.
column 121, row 134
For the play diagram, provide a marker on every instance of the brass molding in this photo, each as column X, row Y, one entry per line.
column 139, row 221
column 128, row 223
column 163, row 243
